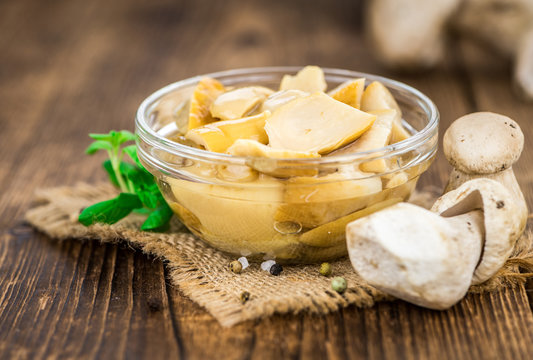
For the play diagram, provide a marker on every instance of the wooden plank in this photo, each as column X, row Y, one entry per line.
column 77, row 67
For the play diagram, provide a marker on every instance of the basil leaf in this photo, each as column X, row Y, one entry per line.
column 98, row 145
column 159, row 219
column 110, row 211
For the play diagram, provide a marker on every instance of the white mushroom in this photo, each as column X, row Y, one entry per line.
column 486, row 145
column 502, row 227
column 507, row 27
column 429, row 259
column 409, row 33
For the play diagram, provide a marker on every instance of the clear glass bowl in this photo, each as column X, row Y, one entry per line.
column 291, row 210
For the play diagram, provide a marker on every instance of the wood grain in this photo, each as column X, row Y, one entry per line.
column 68, row 68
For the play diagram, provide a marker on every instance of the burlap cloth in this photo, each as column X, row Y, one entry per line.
column 202, row 273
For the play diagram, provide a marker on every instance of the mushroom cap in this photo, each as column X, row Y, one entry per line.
column 483, row 143
column 501, row 225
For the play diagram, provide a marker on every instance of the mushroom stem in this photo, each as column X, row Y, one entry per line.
column 506, row 177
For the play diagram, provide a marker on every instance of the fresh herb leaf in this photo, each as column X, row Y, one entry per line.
column 103, row 137
column 131, row 150
column 159, row 219
column 98, row 145
column 110, row 211
column 125, row 169
column 108, row 167
column 139, row 188
column 123, row 136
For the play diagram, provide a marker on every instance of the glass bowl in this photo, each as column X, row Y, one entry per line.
column 291, row 210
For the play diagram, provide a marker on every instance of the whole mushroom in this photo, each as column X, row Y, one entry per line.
column 411, row 34
column 486, row 145
column 430, row 258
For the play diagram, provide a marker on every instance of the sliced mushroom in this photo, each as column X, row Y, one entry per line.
column 280, row 98
column 376, row 137
column 313, row 201
column 310, row 79
column 206, row 91
column 486, row 145
column 431, row 259
column 502, row 227
column 377, row 97
column 219, row 136
column 349, row 92
column 238, row 103
column 316, row 123
column 269, row 161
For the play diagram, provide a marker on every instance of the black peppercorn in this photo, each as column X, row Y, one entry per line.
column 245, row 296
column 276, row 269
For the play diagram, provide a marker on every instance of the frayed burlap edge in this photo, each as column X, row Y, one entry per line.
column 201, row 272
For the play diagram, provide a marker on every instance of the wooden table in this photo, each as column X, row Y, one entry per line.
column 72, row 67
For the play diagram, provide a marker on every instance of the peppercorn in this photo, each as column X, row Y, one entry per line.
column 338, row 284
column 325, row 269
column 235, row 266
column 276, row 269
column 245, row 296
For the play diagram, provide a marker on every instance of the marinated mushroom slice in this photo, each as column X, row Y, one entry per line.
column 376, row 137
column 377, row 97
column 333, row 232
column 280, row 98
column 220, row 135
column 206, row 91
column 310, row 79
column 264, row 159
column 316, row 123
column 240, row 216
column 244, row 147
column 313, row 201
column 239, row 103
column 349, row 92
column 173, row 108
column 236, row 173
column 396, row 179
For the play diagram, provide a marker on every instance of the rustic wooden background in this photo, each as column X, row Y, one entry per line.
column 70, row 67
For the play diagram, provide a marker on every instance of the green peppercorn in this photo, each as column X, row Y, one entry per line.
column 276, row 269
column 245, row 296
column 338, row 284
column 235, row 266
column 325, row 269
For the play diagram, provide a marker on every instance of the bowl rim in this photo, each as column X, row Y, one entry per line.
column 148, row 135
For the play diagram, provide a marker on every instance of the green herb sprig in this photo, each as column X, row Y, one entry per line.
column 139, row 191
